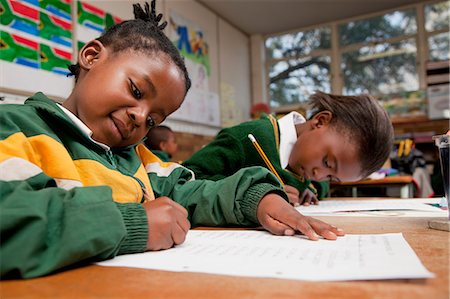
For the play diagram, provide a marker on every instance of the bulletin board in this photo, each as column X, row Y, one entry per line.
column 200, row 105
column 37, row 43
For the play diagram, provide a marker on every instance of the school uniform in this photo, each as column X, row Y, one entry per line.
column 232, row 150
column 65, row 198
column 162, row 155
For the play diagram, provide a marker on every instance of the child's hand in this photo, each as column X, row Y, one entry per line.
column 280, row 218
column 167, row 223
column 295, row 198
column 308, row 197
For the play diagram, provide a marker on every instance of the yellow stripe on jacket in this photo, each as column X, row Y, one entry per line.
column 22, row 158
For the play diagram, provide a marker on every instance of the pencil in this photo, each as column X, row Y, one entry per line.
column 263, row 156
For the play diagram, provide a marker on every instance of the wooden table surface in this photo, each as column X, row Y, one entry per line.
column 92, row 281
column 396, row 179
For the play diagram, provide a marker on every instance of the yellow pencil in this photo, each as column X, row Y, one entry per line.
column 264, row 157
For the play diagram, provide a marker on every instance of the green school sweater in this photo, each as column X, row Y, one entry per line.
column 65, row 199
column 232, row 150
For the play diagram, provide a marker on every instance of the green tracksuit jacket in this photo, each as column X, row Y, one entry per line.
column 66, row 199
column 232, row 150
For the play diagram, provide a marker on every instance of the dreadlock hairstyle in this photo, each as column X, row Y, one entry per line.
column 141, row 34
column 362, row 119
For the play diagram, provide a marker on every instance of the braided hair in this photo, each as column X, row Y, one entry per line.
column 363, row 120
column 144, row 34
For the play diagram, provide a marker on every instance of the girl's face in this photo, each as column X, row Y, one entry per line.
column 170, row 146
column 120, row 95
column 323, row 153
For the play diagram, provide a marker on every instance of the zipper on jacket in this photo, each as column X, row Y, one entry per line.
column 145, row 195
column 111, row 160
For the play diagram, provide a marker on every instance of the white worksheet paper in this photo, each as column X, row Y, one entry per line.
column 332, row 206
column 261, row 254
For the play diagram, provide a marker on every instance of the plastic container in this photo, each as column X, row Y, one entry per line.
column 443, row 144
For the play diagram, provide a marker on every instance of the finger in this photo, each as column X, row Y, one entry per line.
column 326, row 230
column 315, row 200
column 160, row 241
column 277, row 228
column 184, row 223
column 291, row 189
column 179, row 208
column 305, row 228
column 306, row 198
column 295, row 220
column 338, row 231
column 293, row 199
column 178, row 234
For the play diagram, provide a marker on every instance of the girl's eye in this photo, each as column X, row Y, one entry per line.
column 150, row 122
column 325, row 162
column 332, row 179
column 135, row 91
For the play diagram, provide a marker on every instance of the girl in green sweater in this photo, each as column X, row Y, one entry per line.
column 346, row 138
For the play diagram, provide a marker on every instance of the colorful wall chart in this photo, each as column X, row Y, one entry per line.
column 200, row 105
column 37, row 34
column 92, row 22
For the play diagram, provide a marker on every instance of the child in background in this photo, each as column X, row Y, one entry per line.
column 77, row 184
column 345, row 139
column 161, row 141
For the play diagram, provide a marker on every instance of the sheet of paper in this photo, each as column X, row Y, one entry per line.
column 331, row 206
column 261, row 254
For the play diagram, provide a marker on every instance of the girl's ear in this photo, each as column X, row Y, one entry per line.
column 90, row 53
column 162, row 145
column 322, row 118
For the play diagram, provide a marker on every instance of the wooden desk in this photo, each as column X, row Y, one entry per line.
column 405, row 182
column 432, row 247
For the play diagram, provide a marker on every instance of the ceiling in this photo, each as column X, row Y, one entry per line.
column 274, row 16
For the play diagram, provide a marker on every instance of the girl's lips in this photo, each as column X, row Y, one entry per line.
column 121, row 128
column 304, row 174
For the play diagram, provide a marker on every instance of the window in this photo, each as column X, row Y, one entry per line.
column 437, row 19
column 382, row 69
column 377, row 55
column 299, row 63
column 292, row 81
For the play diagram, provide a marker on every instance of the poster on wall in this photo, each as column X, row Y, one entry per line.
column 36, row 45
column 201, row 105
column 92, row 22
column 37, row 34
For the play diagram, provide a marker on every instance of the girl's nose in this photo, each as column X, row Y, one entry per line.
column 137, row 116
column 319, row 174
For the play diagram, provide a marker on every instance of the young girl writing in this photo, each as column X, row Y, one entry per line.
column 77, row 185
column 346, row 138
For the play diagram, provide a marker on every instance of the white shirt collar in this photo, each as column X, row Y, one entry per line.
column 288, row 135
column 85, row 129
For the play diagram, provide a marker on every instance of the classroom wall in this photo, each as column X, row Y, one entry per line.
column 229, row 80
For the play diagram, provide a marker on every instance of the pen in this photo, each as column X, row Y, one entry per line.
column 264, row 157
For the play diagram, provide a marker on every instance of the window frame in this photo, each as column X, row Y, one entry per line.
column 336, row 51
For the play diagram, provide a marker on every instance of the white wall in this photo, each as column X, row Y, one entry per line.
column 230, row 65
